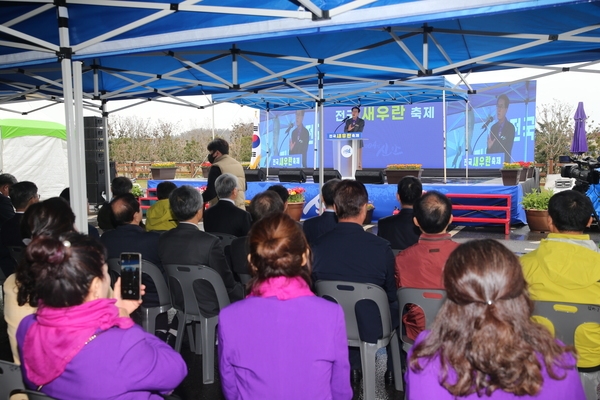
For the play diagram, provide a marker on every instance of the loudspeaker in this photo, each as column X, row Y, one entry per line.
column 327, row 175
column 292, row 175
column 369, row 176
column 255, row 175
column 95, row 175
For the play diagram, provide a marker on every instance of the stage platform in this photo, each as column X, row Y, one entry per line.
column 383, row 196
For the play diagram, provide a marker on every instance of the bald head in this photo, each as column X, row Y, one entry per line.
column 126, row 209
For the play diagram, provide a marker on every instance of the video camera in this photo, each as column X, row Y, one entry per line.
column 583, row 170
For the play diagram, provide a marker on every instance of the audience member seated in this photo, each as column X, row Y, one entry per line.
column 316, row 226
column 92, row 230
column 120, row 185
column 566, row 267
column 22, row 195
column 421, row 265
column 188, row 245
column 79, row 342
column 225, row 217
column 130, row 237
column 483, row 343
column 159, row 216
column 282, row 192
column 400, row 229
column 300, row 350
column 348, row 253
column 261, row 205
column 50, row 217
column 6, row 208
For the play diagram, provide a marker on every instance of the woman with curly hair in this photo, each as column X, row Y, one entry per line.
column 282, row 342
column 483, row 343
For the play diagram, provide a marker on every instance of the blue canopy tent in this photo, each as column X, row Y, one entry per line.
column 87, row 53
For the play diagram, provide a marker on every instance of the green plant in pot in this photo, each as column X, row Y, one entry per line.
column 536, row 210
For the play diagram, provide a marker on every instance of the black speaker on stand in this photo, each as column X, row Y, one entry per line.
column 369, row 176
column 328, row 175
column 292, row 175
column 95, row 169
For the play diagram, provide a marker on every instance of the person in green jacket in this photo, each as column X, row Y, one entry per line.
column 159, row 216
column 566, row 268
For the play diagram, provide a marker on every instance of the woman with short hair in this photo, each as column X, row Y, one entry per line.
column 483, row 343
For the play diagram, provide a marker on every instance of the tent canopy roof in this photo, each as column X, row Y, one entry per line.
column 12, row 128
column 150, row 49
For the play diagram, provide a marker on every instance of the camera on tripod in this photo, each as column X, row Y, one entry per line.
column 583, row 170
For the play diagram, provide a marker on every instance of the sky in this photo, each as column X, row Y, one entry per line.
column 568, row 87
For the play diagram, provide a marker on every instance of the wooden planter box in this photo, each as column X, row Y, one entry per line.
column 395, row 175
column 510, row 177
column 530, row 171
column 523, row 175
column 163, row 173
column 537, row 220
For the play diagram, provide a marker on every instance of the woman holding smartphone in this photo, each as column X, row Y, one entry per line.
column 80, row 343
column 282, row 342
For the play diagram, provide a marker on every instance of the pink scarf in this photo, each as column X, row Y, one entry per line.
column 283, row 288
column 58, row 334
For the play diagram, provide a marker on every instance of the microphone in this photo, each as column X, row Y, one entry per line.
column 345, row 119
column 487, row 122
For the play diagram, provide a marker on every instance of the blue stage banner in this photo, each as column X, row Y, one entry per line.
column 500, row 123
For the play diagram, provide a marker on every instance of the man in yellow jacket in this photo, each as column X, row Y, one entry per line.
column 566, row 267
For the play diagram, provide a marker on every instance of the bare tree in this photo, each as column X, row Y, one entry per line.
column 554, row 131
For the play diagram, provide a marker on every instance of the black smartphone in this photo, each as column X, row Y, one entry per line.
column 131, row 276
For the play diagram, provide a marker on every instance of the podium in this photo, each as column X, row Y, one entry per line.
column 344, row 153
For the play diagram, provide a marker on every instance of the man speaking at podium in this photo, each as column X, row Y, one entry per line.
column 354, row 125
column 502, row 134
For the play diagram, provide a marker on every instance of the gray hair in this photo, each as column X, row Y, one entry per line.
column 185, row 201
column 225, row 184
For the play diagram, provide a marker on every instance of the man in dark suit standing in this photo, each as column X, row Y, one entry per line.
column 348, row 253
column 129, row 236
column 317, row 226
column 225, row 217
column 355, row 125
column 399, row 229
column 188, row 245
column 6, row 208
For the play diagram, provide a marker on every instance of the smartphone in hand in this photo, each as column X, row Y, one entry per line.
column 131, row 276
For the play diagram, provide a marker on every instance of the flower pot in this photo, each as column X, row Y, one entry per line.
column 205, row 171
column 530, row 171
column 395, row 175
column 523, row 175
column 163, row 173
column 294, row 210
column 368, row 217
column 510, row 177
column 537, row 220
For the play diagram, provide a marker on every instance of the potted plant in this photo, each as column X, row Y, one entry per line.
column 295, row 203
column 137, row 191
column 525, row 171
column 205, row 168
column 395, row 172
column 536, row 210
column 369, row 216
column 511, row 172
column 163, row 170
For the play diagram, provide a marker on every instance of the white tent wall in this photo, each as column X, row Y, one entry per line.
column 39, row 159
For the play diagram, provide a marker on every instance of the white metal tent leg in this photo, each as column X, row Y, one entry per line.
column 444, row 129
column 467, row 139
column 79, row 201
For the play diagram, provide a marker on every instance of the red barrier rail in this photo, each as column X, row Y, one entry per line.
column 477, row 207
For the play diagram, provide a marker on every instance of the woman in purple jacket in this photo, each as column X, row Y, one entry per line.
column 79, row 344
column 282, row 342
column 483, row 343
